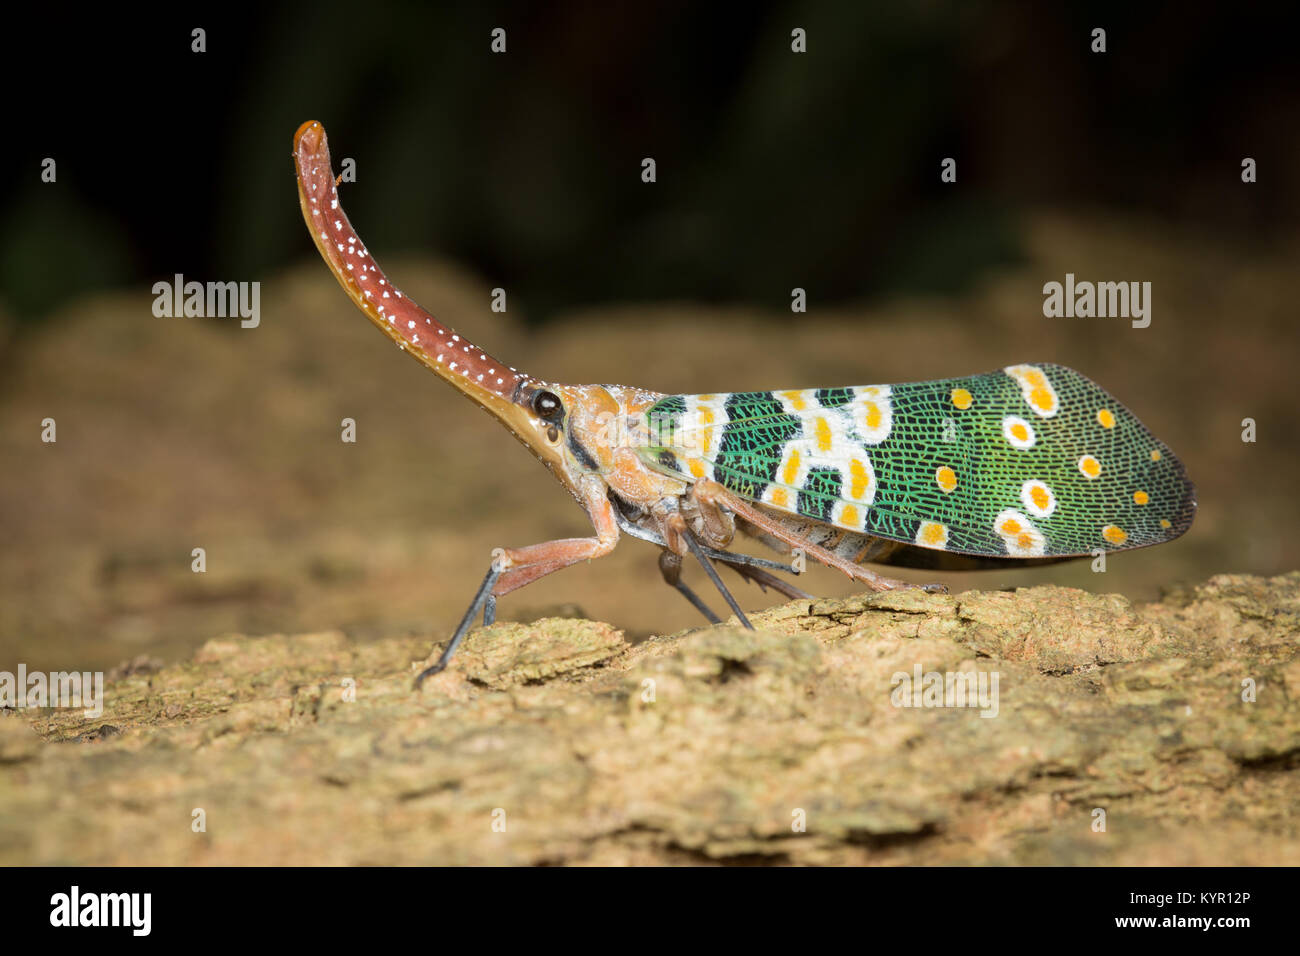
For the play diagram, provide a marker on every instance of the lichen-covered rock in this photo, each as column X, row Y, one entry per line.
column 1045, row 725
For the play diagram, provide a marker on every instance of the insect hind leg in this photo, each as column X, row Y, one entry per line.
column 712, row 493
column 764, row 580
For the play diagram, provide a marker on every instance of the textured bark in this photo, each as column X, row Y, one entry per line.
column 559, row 742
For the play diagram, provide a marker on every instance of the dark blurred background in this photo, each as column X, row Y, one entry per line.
column 477, row 170
column 775, row 169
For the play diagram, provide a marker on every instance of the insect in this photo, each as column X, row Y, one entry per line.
column 1028, row 464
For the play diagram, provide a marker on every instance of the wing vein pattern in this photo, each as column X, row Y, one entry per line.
column 1029, row 461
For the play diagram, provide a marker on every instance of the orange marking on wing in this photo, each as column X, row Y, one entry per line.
column 791, row 472
column 860, row 481
column 823, row 430
column 1040, row 397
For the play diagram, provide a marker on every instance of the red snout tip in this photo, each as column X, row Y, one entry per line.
column 310, row 136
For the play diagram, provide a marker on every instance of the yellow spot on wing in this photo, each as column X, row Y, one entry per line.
column 791, row 471
column 962, row 398
column 1021, row 538
column 1166, row 523
column 1038, row 498
column 1018, row 432
column 1105, row 418
column 1141, row 497
column 1036, row 390
column 931, row 534
column 1114, row 535
column 1090, row 466
column 780, row 497
column 823, row 431
column 1040, row 397
column 849, row 517
column 1155, row 454
column 946, row 479
column 860, row 480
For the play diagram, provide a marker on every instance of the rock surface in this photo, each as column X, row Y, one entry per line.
column 1164, row 733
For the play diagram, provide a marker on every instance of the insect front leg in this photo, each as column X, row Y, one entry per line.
column 512, row 568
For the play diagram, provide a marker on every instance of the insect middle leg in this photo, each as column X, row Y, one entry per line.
column 670, row 566
column 679, row 539
column 749, row 568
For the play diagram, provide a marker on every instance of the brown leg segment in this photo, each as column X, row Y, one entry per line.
column 512, row 568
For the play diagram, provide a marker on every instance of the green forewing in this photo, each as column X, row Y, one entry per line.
column 1028, row 461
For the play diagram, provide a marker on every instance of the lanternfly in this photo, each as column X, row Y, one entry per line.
column 1026, row 464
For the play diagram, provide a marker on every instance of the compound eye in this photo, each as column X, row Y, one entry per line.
column 547, row 406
